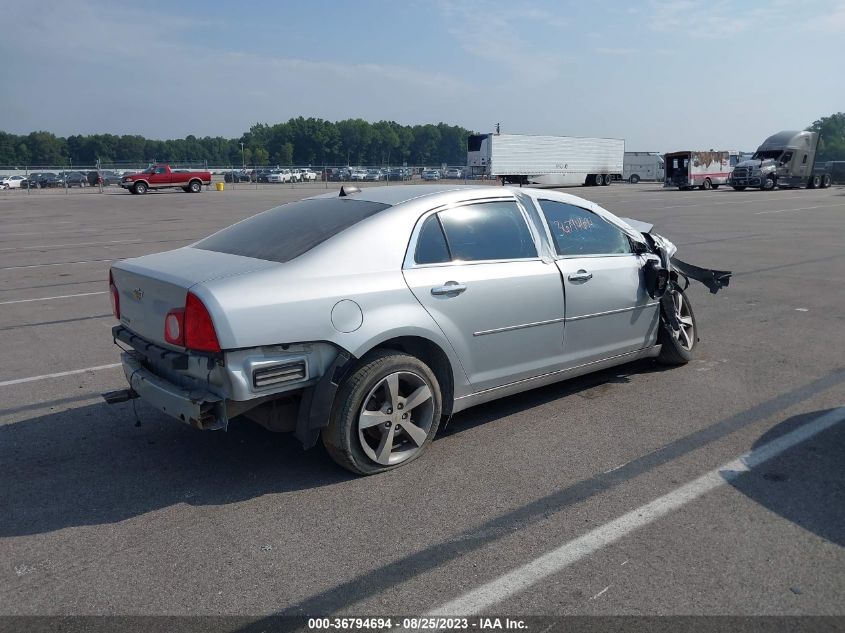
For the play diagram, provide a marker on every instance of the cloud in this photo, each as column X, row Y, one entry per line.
column 832, row 21
column 717, row 19
column 616, row 51
column 90, row 70
column 506, row 36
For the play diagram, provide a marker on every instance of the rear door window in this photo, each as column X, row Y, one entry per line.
column 577, row 231
column 286, row 232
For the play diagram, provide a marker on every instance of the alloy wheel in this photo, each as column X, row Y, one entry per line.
column 396, row 418
column 685, row 335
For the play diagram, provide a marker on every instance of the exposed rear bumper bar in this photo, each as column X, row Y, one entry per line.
column 199, row 408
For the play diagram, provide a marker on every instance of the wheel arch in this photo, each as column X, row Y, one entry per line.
column 432, row 355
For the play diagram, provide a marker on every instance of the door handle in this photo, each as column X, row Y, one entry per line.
column 581, row 275
column 449, row 288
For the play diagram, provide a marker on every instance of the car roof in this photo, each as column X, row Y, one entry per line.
column 400, row 194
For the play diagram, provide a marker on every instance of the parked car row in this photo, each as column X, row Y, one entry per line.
column 48, row 179
column 270, row 175
column 359, row 174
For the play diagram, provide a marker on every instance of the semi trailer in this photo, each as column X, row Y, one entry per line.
column 551, row 161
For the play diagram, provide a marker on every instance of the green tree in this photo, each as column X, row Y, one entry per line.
column 831, row 131
column 261, row 156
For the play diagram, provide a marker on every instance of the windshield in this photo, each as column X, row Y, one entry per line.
column 771, row 153
column 286, row 232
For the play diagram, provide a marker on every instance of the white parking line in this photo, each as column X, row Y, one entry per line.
column 83, row 261
column 44, row 246
column 81, row 294
column 821, row 206
column 18, row 381
column 569, row 553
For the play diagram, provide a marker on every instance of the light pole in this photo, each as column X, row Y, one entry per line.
column 243, row 156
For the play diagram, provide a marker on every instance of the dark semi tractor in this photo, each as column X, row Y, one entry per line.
column 786, row 160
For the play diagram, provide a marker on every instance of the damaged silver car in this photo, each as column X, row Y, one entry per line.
column 369, row 317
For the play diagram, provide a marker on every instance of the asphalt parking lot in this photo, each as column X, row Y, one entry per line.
column 99, row 515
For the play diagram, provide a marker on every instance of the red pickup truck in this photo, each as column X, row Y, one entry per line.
column 162, row 177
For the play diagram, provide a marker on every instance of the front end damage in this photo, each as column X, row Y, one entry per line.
column 671, row 270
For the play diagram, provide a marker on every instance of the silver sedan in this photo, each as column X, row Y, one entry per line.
column 367, row 318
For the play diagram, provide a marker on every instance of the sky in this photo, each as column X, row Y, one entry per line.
column 663, row 75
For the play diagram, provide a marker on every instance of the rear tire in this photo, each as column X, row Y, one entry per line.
column 825, row 181
column 373, row 395
column 140, row 188
column 607, row 180
column 195, row 186
column 634, row 179
column 816, row 182
column 677, row 347
column 707, row 185
column 598, row 179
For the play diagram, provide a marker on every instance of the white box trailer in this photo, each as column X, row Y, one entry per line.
column 643, row 166
column 551, row 161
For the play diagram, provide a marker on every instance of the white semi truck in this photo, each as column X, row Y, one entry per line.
column 551, row 161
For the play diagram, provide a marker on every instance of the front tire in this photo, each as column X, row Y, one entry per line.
column 707, row 185
column 677, row 347
column 634, row 179
column 140, row 188
column 768, row 184
column 385, row 413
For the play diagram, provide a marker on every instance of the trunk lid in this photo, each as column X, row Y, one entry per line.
column 150, row 286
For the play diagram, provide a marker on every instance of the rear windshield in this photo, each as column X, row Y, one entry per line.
column 286, row 232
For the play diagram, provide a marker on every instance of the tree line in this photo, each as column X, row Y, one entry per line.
column 300, row 141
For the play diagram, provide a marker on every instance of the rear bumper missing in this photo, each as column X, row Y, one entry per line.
column 199, row 408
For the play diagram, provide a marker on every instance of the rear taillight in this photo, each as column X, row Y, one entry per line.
column 174, row 327
column 115, row 297
column 199, row 328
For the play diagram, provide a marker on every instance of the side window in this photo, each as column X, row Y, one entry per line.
column 804, row 160
column 431, row 243
column 577, row 231
column 490, row 230
column 786, row 158
column 160, row 170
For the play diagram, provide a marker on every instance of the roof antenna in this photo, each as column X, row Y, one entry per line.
column 346, row 190
column 498, row 129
